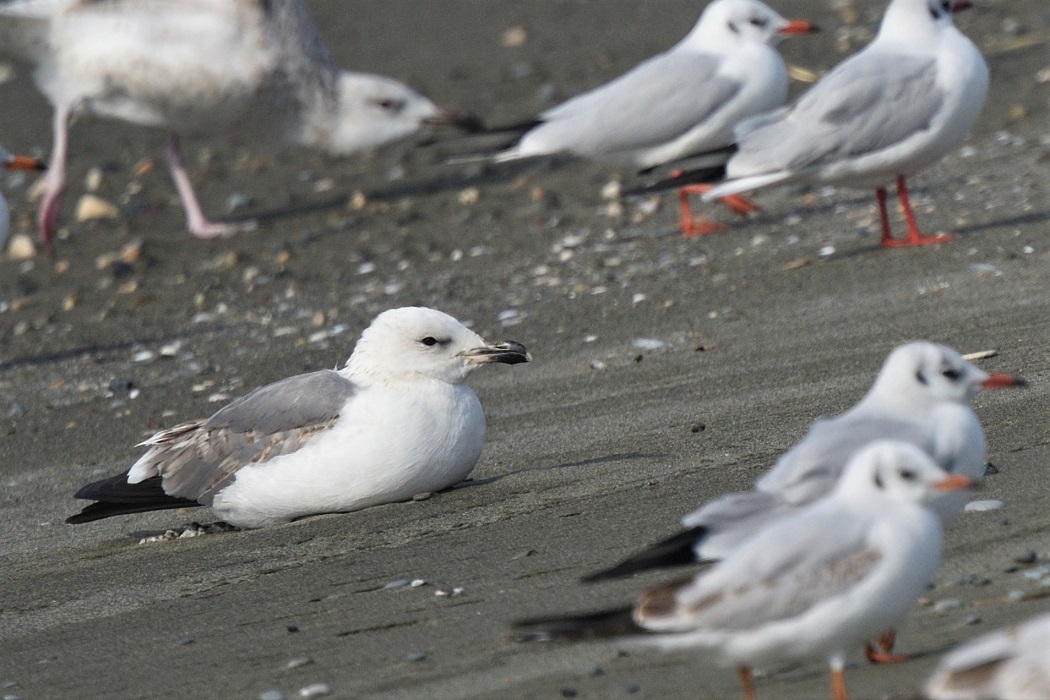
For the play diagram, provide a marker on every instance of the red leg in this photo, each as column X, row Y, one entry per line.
column 838, row 685
column 882, row 655
column 746, row 682
column 740, row 205
column 196, row 222
column 915, row 236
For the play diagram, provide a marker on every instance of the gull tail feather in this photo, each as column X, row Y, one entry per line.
column 744, row 184
column 115, row 496
column 677, row 550
column 604, row 624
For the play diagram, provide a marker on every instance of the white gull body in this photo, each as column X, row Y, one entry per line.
column 398, row 420
column 216, row 66
column 886, row 113
column 825, row 579
column 921, row 396
column 1008, row 664
column 685, row 100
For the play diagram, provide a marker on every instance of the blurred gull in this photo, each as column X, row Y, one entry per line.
column 922, row 396
column 826, row 578
column 685, row 100
column 1008, row 664
column 202, row 66
column 893, row 109
column 397, row 421
column 12, row 162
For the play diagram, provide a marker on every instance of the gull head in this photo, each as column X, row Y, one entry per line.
column 375, row 110
column 731, row 22
column 899, row 471
column 420, row 343
column 925, row 373
column 904, row 18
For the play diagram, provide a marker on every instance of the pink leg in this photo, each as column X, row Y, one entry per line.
column 915, row 236
column 198, row 224
column 55, row 181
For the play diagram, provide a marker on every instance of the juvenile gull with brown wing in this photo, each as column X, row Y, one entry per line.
column 397, row 420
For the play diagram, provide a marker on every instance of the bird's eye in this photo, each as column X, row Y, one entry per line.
column 390, row 105
column 429, row 341
column 757, row 22
column 951, row 374
column 907, row 474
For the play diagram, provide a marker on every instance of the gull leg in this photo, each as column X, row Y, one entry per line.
column 915, row 236
column 55, row 180
column 196, row 222
column 690, row 227
column 747, row 682
column 879, row 653
column 838, row 679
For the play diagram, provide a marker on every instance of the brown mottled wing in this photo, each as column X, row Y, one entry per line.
column 197, row 459
column 763, row 585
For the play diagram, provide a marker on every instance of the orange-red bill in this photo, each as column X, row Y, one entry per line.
column 25, row 163
column 955, row 482
column 961, row 5
column 1002, row 381
column 799, row 26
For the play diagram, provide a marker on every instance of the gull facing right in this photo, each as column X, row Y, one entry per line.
column 825, row 579
column 884, row 114
column 202, row 66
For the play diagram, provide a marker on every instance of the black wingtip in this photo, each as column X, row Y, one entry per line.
column 711, row 175
column 115, row 496
column 677, row 550
column 604, row 624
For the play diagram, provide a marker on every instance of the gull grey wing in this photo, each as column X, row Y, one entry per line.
column 858, row 109
column 778, row 581
column 656, row 102
column 197, row 460
column 810, row 469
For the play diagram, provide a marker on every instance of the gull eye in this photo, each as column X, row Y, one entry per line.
column 952, row 374
column 389, row 104
column 757, row 22
column 429, row 341
column 907, row 474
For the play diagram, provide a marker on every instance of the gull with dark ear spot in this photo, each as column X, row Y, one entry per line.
column 228, row 67
column 397, row 421
column 829, row 576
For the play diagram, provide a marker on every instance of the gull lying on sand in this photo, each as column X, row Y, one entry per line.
column 202, row 66
column 396, row 421
column 825, row 579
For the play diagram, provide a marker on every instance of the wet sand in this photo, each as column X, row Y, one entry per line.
column 594, row 449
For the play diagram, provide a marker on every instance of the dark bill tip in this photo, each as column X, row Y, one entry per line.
column 509, row 353
column 465, row 121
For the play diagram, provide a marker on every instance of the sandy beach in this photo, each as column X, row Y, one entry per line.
column 666, row 371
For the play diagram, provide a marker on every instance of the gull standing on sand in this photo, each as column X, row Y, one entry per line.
column 922, row 396
column 893, row 109
column 397, row 421
column 202, row 66
column 1008, row 664
column 684, row 100
column 824, row 580
column 12, row 162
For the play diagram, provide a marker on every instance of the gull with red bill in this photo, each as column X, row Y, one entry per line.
column 884, row 114
column 829, row 576
column 684, row 100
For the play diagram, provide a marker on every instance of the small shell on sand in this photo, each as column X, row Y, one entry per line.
column 91, row 207
column 21, row 247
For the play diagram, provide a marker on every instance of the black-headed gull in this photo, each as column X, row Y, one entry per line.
column 884, row 114
column 213, row 66
column 825, row 579
column 396, row 421
column 9, row 161
column 684, row 100
column 1008, row 664
column 922, row 395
